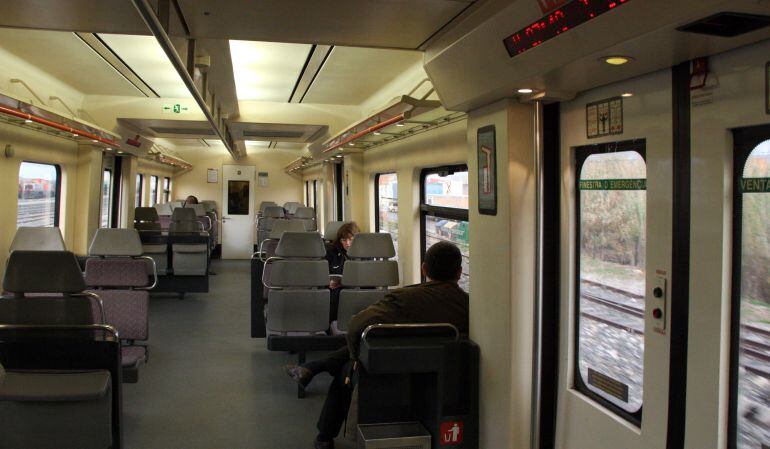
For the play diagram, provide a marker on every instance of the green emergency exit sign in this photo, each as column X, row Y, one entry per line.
column 175, row 109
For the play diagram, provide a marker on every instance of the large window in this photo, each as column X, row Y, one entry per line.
column 611, row 250
column 386, row 200
column 153, row 190
column 106, row 203
column 750, row 395
column 166, row 189
column 139, row 190
column 315, row 195
column 39, row 193
column 444, row 211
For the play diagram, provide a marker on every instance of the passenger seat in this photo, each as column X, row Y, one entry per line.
column 37, row 239
column 189, row 244
column 366, row 276
column 118, row 271
column 306, row 215
column 154, row 244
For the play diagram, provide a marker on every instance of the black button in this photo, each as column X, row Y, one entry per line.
column 657, row 292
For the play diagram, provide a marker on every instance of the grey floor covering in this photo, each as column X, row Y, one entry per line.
column 209, row 384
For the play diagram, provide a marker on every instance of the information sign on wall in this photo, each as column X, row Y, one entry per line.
column 604, row 117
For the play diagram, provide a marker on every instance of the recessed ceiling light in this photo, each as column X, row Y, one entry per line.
column 339, row 155
column 627, row 94
column 352, row 144
column 377, row 133
column 74, row 135
column 617, row 59
column 120, row 152
column 525, row 91
column 399, row 124
column 94, row 141
column 27, row 121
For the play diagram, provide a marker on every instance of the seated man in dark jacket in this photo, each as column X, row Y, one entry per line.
column 439, row 300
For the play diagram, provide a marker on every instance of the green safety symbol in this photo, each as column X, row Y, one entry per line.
column 175, row 108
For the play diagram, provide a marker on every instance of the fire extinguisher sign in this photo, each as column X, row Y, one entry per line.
column 451, row 433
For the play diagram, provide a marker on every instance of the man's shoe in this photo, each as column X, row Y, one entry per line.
column 300, row 374
column 318, row 444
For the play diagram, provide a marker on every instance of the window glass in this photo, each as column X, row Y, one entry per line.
column 38, row 195
column 754, row 331
column 314, row 205
column 447, row 191
column 139, row 188
column 612, row 249
column 387, row 204
column 444, row 211
column 106, row 198
column 166, row 189
column 153, row 190
column 237, row 197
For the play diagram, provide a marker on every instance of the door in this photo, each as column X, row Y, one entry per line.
column 238, row 214
column 616, row 240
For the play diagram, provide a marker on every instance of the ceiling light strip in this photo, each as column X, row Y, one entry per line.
column 149, row 17
column 368, row 130
column 59, row 126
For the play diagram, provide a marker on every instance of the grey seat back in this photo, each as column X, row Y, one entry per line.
column 163, row 209
column 264, row 205
column 307, row 216
column 298, row 299
column 189, row 258
column 367, row 275
column 265, row 222
column 330, row 232
column 37, row 239
column 291, row 207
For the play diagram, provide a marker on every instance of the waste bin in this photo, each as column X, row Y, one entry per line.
column 407, row 435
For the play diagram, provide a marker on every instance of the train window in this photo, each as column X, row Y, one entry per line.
column 751, row 295
column 315, row 195
column 139, row 190
column 386, row 199
column 153, row 190
column 39, row 194
column 307, row 193
column 611, row 251
column 444, row 211
column 106, row 211
column 166, row 189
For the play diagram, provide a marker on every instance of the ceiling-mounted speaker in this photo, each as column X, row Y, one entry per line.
column 9, row 152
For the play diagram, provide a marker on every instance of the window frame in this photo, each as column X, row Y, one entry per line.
column 57, row 200
column 109, row 197
column 166, row 190
column 745, row 140
column 451, row 213
column 154, row 197
column 581, row 155
column 140, row 190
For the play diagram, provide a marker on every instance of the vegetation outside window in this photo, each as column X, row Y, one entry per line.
column 39, row 195
column 444, row 211
column 386, row 200
column 611, row 250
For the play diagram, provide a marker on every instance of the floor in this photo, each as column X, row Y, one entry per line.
column 208, row 384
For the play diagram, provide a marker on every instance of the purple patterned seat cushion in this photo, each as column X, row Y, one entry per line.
column 133, row 355
column 116, row 272
column 127, row 311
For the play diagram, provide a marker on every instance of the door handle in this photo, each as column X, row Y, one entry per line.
column 224, row 219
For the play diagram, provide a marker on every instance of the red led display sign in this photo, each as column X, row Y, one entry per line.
column 557, row 22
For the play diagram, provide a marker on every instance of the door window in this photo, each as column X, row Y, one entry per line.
column 611, row 276
column 238, row 197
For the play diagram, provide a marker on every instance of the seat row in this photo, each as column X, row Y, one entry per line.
column 269, row 214
column 70, row 338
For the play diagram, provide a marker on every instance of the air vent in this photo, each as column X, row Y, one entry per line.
column 727, row 24
column 188, row 131
column 274, row 134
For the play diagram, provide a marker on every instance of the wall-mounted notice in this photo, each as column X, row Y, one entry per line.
column 212, row 175
column 604, row 117
column 262, row 179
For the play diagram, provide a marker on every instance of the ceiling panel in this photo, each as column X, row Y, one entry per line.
column 267, row 71
column 64, row 56
column 145, row 57
column 351, row 75
column 339, row 22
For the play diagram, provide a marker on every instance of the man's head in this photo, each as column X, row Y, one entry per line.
column 443, row 262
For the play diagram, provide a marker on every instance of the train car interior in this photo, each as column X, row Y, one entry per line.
column 214, row 194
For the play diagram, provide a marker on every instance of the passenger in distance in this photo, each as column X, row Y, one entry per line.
column 439, row 300
column 336, row 255
column 191, row 199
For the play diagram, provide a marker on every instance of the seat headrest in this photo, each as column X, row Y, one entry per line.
column 281, row 226
column 265, row 204
column 116, row 242
column 291, row 206
column 175, row 204
column 185, row 226
column 43, row 272
column 330, row 233
column 273, row 212
column 209, row 205
column 163, row 209
column 372, row 244
column 301, row 244
column 183, row 214
column 304, row 212
column 37, row 239
column 199, row 209
column 146, row 214
column 370, row 273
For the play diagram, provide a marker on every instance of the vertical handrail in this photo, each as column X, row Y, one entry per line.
column 538, row 277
